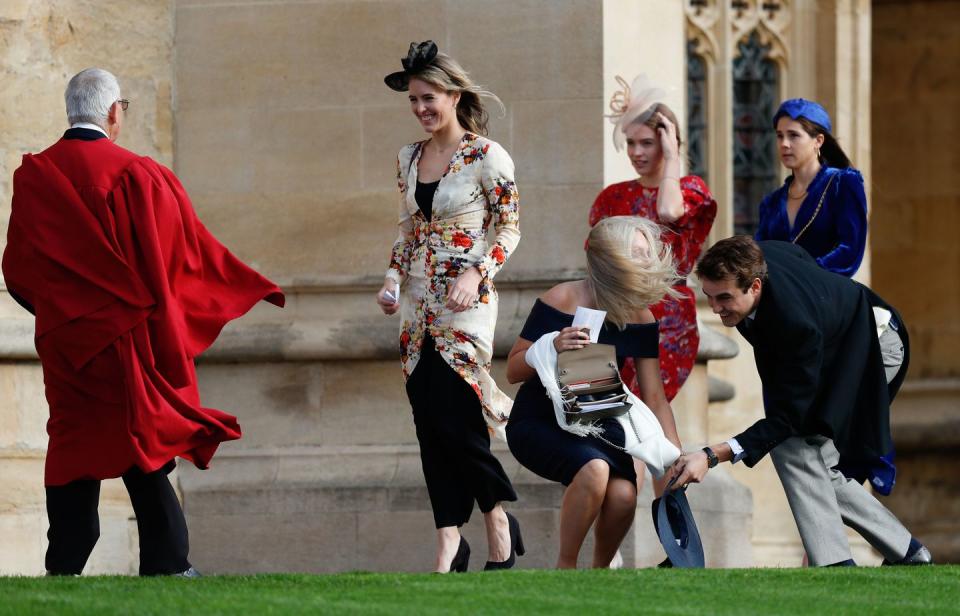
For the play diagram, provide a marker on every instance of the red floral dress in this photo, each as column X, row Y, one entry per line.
column 679, row 338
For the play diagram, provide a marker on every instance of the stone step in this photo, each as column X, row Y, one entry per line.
column 325, row 510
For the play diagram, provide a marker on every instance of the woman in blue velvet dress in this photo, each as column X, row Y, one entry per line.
column 822, row 206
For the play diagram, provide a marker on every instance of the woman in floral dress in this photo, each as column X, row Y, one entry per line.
column 683, row 206
column 452, row 187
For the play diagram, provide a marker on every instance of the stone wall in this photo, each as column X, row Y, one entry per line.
column 300, row 138
column 915, row 199
column 42, row 44
column 916, row 190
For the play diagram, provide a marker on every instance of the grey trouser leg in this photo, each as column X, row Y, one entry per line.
column 864, row 513
column 891, row 350
column 823, row 501
column 806, row 481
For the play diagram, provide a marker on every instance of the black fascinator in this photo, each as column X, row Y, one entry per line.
column 418, row 58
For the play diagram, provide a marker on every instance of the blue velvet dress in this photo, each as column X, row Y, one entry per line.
column 838, row 235
column 534, row 437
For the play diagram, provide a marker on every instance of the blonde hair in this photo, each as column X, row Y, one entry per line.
column 624, row 282
column 446, row 73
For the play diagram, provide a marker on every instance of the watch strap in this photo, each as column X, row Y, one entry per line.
column 712, row 459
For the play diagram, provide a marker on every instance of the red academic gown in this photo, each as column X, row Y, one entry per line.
column 128, row 287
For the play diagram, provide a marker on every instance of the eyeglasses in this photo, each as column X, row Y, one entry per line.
column 124, row 103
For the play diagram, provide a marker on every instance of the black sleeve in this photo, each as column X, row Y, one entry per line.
column 791, row 380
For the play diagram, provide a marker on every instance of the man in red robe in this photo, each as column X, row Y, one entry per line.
column 128, row 287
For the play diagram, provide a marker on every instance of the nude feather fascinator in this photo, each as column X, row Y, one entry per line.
column 633, row 103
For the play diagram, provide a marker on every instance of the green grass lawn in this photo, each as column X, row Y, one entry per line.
column 887, row 590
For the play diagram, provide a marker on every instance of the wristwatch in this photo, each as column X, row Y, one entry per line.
column 712, row 459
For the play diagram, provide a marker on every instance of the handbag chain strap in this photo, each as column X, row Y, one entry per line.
column 816, row 211
column 614, row 445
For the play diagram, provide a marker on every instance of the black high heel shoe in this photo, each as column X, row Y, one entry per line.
column 516, row 547
column 462, row 559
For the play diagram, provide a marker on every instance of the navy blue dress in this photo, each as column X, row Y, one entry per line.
column 534, row 437
column 837, row 237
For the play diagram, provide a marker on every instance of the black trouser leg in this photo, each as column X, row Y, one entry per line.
column 452, row 503
column 164, row 543
column 454, row 442
column 74, row 525
column 481, row 469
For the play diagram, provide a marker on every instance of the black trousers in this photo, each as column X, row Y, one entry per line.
column 75, row 523
column 454, row 443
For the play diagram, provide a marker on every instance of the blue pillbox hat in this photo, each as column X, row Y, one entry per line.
column 802, row 108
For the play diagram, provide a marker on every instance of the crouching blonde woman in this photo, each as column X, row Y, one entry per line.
column 628, row 269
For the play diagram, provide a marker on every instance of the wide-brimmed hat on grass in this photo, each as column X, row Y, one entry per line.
column 677, row 530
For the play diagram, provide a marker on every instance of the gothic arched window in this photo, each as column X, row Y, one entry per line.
column 696, row 111
column 755, row 97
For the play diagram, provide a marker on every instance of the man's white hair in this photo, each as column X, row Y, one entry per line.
column 89, row 96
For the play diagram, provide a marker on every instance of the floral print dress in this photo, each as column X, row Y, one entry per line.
column 476, row 189
column 679, row 338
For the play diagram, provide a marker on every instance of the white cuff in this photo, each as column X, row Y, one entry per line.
column 737, row 450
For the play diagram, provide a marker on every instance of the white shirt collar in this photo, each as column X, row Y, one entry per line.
column 90, row 126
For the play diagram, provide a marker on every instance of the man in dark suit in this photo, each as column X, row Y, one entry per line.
column 831, row 355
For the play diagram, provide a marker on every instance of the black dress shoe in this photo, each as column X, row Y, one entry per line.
column 516, row 547
column 666, row 564
column 462, row 559
column 917, row 554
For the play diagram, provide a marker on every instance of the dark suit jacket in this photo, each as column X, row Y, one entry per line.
column 815, row 344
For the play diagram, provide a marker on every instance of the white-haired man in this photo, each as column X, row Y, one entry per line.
column 127, row 287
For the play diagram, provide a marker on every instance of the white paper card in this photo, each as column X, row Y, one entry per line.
column 590, row 318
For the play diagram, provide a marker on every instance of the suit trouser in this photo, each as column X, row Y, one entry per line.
column 75, row 523
column 823, row 500
column 454, row 442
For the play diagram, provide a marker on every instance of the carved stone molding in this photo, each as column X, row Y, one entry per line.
column 702, row 19
column 769, row 18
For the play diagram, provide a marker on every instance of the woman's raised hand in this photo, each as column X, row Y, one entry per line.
column 388, row 298
column 571, row 338
column 464, row 291
column 668, row 137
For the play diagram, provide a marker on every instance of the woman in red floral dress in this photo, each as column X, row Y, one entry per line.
column 683, row 206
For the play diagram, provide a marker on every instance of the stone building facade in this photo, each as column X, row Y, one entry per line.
column 274, row 115
column 916, row 258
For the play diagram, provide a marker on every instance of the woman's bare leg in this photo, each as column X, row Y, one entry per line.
column 616, row 516
column 498, row 534
column 641, row 469
column 581, row 505
column 448, row 540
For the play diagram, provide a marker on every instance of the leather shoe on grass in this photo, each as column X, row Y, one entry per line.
column 917, row 554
